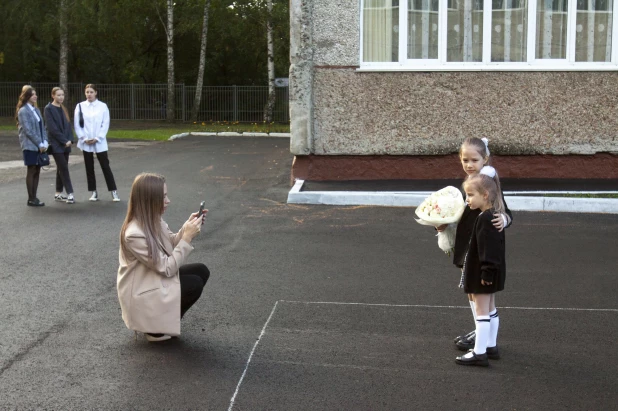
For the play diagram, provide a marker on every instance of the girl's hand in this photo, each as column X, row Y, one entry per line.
column 42, row 149
column 498, row 222
column 483, row 282
column 441, row 228
column 68, row 144
column 191, row 228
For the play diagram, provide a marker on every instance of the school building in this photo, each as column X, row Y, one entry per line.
column 388, row 89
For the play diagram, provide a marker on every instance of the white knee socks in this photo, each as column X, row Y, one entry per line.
column 493, row 328
column 482, row 334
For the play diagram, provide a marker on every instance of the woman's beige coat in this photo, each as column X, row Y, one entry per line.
column 150, row 295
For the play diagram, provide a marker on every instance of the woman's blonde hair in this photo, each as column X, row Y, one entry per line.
column 53, row 93
column 26, row 93
column 145, row 207
column 490, row 186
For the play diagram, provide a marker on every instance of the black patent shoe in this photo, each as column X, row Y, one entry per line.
column 476, row 359
column 35, row 203
column 471, row 334
column 493, row 353
column 466, row 343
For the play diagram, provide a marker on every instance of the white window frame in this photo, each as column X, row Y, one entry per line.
column 533, row 64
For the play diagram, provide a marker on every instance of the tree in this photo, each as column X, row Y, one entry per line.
column 169, row 36
column 200, row 72
column 64, row 47
column 270, row 104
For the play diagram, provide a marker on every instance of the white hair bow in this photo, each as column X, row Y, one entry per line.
column 486, row 141
column 488, row 171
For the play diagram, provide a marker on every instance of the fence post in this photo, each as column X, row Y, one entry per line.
column 132, row 101
column 235, row 116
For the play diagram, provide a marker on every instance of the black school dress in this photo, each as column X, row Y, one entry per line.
column 485, row 258
column 464, row 231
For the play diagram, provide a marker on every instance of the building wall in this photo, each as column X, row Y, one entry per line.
column 429, row 113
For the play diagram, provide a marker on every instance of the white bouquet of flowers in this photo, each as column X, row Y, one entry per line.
column 445, row 206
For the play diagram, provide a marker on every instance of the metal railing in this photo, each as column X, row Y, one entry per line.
column 244, row 104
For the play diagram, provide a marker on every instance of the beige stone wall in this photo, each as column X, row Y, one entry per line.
column 431, row 113
column 336, row 110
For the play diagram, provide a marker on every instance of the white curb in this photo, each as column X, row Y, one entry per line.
column 414, row 199
column 228, row 134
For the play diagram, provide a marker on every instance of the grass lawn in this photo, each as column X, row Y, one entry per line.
column 160, row 130
column 163, row 132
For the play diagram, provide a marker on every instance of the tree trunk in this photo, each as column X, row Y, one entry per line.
column 64, row 48
column 200, row 73
column 270, row 104
column 170, row 112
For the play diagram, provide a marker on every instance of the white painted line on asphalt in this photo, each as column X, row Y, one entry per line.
column 414, row 199
column 242, row 377
column 448, row 306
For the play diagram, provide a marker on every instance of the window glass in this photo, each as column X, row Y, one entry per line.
column 509, row 25
column 593, row 30
column 551, row 29
column 381, row 30
column 464, row 38
column 423, row 29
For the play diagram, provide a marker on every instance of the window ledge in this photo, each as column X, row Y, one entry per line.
column 491, row 67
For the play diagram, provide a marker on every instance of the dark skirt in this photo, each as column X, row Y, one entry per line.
column 31, row 157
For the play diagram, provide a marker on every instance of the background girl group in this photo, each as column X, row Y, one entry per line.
column 53, row 133
column 480, row 251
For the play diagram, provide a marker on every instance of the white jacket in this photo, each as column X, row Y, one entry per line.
column 96, row 125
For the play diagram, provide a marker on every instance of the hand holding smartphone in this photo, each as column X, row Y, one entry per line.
column 200, row 213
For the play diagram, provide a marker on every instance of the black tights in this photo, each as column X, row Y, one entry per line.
column 193, row 278
column 32, row 181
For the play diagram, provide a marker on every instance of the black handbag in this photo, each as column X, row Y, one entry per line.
column 42, row 159
column 81, row 116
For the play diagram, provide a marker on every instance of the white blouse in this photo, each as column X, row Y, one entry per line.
column 96, row 125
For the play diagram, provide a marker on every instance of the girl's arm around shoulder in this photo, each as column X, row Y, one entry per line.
column 507, row 213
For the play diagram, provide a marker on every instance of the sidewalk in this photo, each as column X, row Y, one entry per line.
column 521, row 194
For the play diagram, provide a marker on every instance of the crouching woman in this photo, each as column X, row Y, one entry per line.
column 155, row 286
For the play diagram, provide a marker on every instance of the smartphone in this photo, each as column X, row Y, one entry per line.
column 201, row 212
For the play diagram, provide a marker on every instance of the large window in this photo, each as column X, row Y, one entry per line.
column 488, row 35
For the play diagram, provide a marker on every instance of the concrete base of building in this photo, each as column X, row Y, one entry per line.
column 338, row 168
column 516, row 201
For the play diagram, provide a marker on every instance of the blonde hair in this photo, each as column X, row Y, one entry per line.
column 490, row 186
column 53, row 93
column 479, row 146
column 145, row 207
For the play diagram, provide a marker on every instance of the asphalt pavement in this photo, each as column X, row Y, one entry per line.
column 308, row 307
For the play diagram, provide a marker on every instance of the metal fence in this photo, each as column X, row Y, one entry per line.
column 244, row 104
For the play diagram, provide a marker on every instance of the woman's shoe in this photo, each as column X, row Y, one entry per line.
column 70, row 199
column 475, row 359
column 115, row 196
column 94, row 197
column 35, row 203
column 157, row 337
column 60, row 197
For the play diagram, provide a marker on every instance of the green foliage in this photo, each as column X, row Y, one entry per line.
column 123, row 41
column 164, row 133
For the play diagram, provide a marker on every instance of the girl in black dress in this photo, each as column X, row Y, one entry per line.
column 484, row 269
column 475, row 158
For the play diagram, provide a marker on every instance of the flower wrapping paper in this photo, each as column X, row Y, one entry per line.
column 445, row 206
